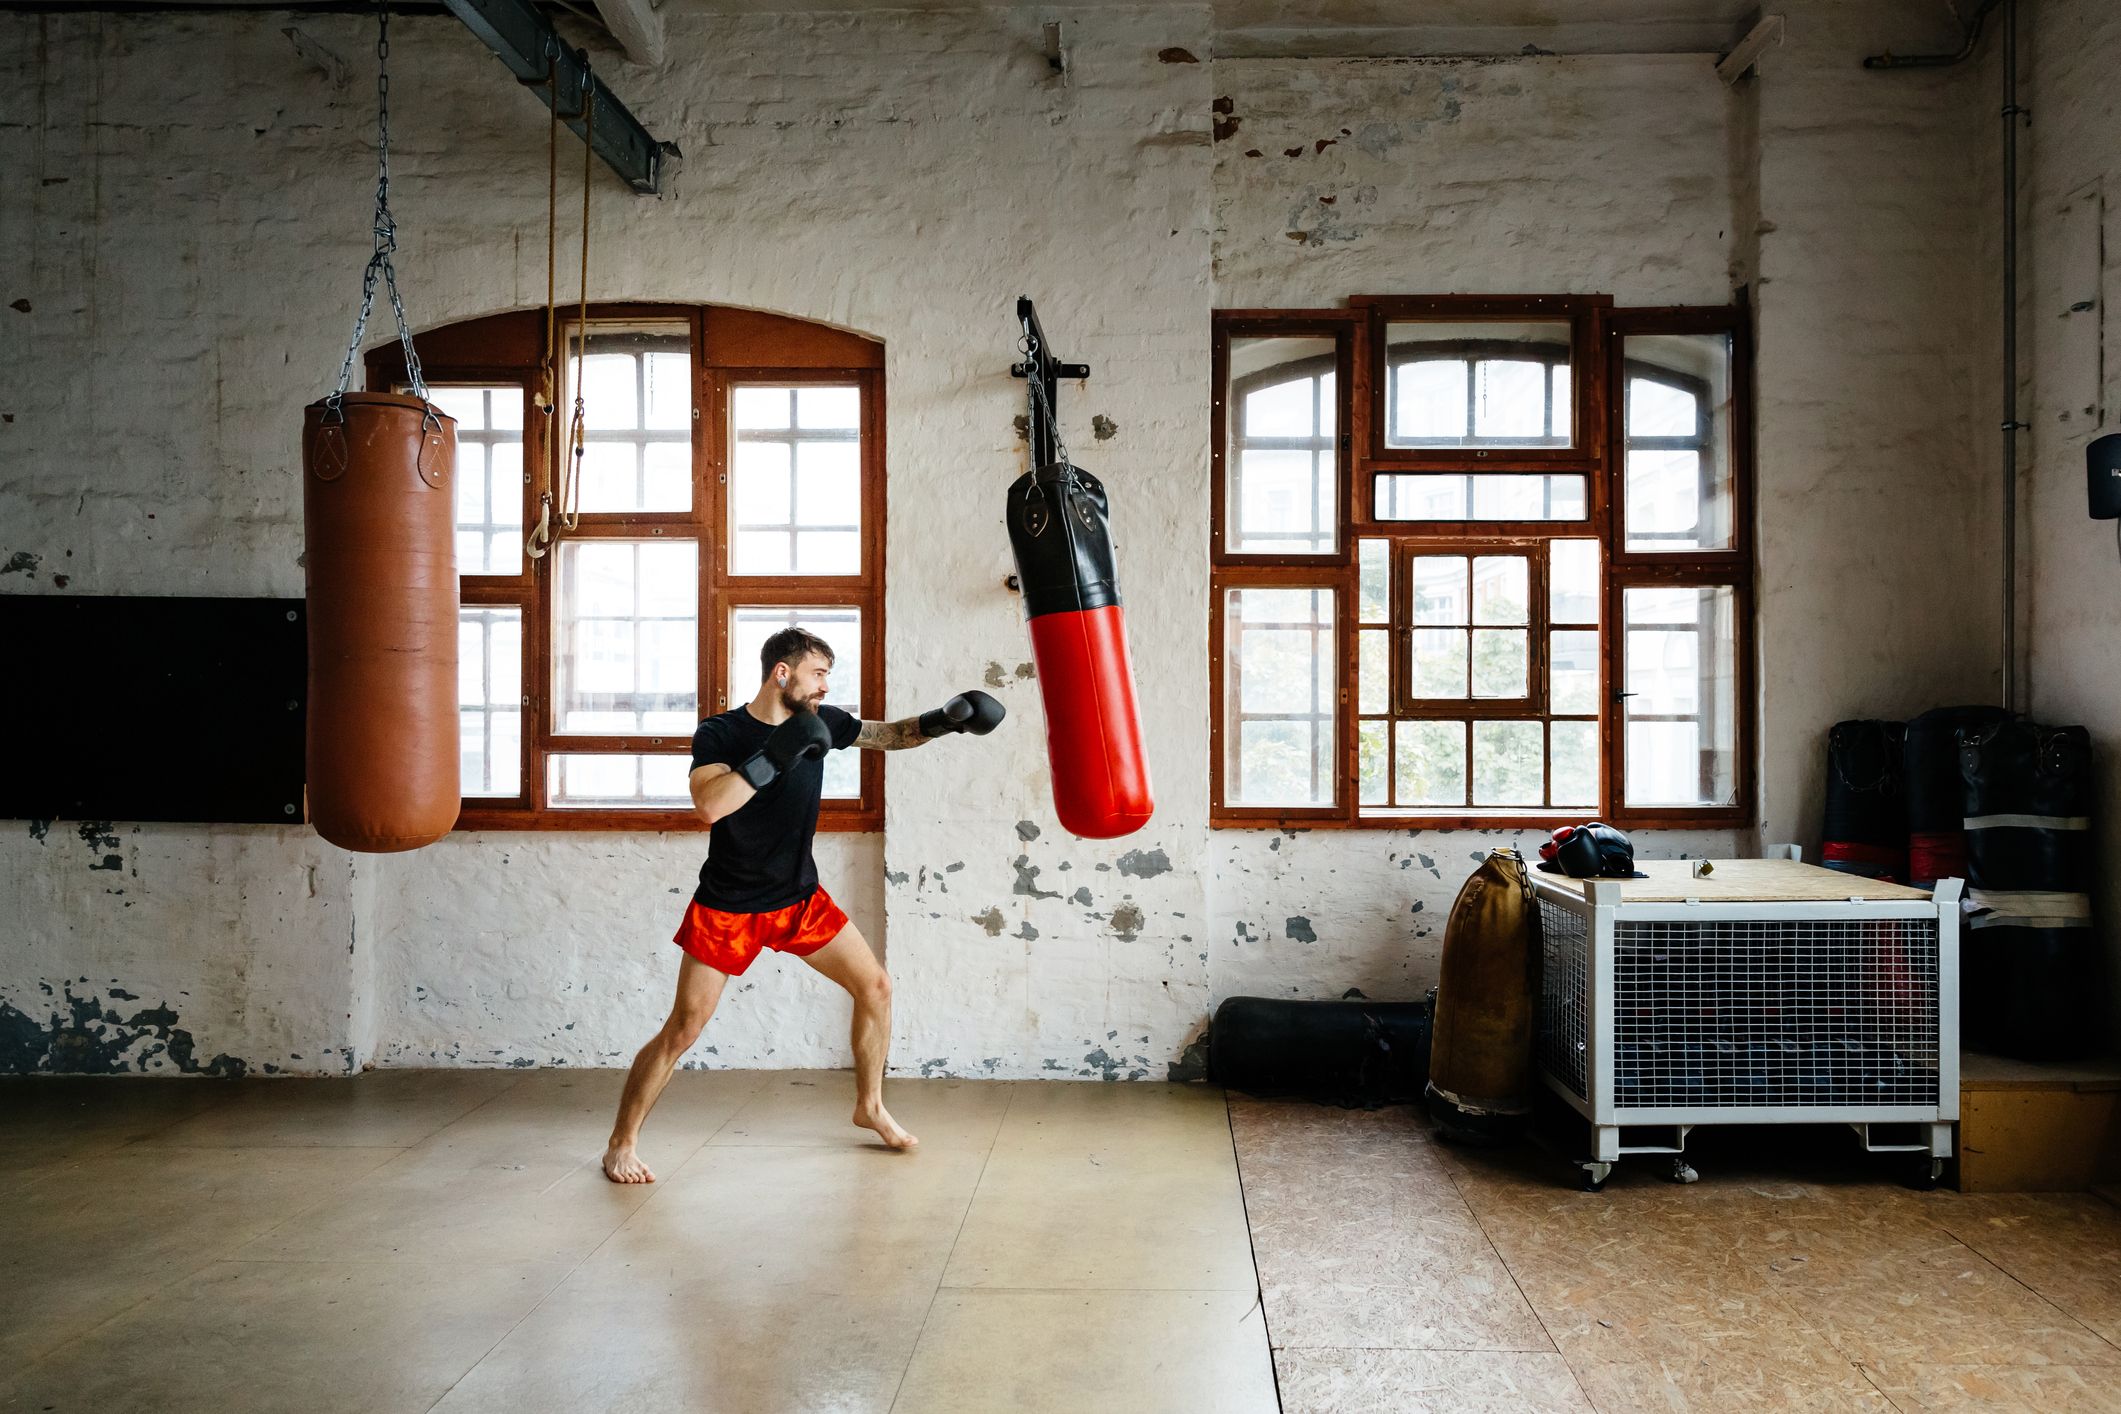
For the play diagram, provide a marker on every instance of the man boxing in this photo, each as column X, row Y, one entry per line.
column 757, row 776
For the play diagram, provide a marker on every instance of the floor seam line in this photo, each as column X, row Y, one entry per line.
column 955, row 1238
column 1259, row 1286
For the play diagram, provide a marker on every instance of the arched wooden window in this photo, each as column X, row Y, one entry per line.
column 732, row 483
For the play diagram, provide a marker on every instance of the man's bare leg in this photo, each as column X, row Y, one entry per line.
column 699, row 988
column 848, row 961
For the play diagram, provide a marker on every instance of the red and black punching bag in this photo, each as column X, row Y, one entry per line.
column 378, row 516
column 1060, row 527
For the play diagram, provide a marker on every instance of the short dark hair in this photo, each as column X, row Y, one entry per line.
column 791, row 646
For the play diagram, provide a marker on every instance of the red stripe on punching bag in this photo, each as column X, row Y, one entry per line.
column 1093, row 724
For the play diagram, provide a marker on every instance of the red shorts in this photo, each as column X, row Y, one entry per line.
column 729, row 942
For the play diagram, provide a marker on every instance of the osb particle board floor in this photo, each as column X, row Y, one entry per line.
column 442, row 1240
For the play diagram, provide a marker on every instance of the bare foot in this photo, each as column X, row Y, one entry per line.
column 622, row 1165
column 878, row 1118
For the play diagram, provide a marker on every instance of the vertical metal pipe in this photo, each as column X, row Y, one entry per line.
column 2010, row 355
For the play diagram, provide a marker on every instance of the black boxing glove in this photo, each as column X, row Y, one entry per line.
column 803, row 737
column 1593, row 851
column 973, row 712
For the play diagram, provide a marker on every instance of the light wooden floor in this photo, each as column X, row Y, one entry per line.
column 1400, row 1274
column 443, row 1240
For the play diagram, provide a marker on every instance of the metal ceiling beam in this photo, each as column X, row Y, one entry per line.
column 523, row 38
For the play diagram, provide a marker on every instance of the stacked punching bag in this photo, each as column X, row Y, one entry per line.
column 2029, row 959
column 1936, row 814
column 1060, row 528
column 1866, row 803
column 1481, row 1082
column 378, row 514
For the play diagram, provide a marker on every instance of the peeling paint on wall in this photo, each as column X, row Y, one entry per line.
column 85, row 1037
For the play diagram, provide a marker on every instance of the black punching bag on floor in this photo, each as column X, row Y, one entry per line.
column 2030, row 959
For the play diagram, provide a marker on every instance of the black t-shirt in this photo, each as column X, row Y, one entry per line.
column 758, row 855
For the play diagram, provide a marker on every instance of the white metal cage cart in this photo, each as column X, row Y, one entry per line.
column 1767, row 992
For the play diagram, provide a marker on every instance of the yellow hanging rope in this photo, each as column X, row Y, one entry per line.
column 577, row 436
column 565, row 508
column 540, row 538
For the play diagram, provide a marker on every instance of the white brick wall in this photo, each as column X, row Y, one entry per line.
column 189, row 197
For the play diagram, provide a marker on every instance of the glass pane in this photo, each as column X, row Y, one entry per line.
column 626, row 636
column 1477, row 383
column 1680, row 666
column 1439, row 588
column 1429, row 763
column 1572, row 581
column 1572, row 671
column 841, row 627
column 1279, row 691
column 1573, row 764
column 1507, row 765
column 588, row 780
column 1679, row 493
column 1480, row 496
column 1374, row 582
column 1502, row 591
column 489, row 508
column 1280, row 447
column 1437, row 662
column 490, row 701
column 636, row 385
column 795, row 489
column 1373, row 748
column 1502, row 662
column 1374, row 671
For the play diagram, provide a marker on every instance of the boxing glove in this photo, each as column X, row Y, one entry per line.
column 973, row 712
column 803, row 737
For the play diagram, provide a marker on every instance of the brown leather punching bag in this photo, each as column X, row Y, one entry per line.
column 1480, row 1065
column 378, row 514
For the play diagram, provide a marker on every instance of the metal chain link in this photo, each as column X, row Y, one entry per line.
column 1029, row 347
column 386, row 239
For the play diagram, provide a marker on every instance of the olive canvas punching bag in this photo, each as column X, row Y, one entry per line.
column 378, row 515
column 1061, row 530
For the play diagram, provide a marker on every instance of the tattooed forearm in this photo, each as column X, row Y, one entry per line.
column 890, row 736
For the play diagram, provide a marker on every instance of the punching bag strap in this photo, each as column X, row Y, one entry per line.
column 434, row 459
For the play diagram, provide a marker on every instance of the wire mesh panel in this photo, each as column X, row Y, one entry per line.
column 1564, row 995
column 1760, row 1014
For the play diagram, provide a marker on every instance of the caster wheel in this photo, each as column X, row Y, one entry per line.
column 1925, row 1173
column 1593, row 1178
column 1683, row 1172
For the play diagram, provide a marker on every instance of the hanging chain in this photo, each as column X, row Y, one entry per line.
column 386, row 241
column 1040, row 403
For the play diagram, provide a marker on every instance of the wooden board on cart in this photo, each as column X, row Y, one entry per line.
column 1743, row 881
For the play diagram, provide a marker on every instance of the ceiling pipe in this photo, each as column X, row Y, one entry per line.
column 2013, row 115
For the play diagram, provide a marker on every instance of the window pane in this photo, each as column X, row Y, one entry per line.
column 636, row 384
column 490, row 701
column 1280, row 687
column 795, row 489
column 1680, row 665
column 1480, row 496
column 1374, row 586
column 1374, row 673
column 1280, row 447
column 1374, row 750
column 587, row 780
column 1437, row 662
column 1502, row 662
column 839, row 625
column 1573, row 764
column 1679, row 493
column 1572, row 676
column 1501, row 589
column 626, row 636
column 1506, row 763
column 1572, row 581
column 1429, row 765
column 1439, row 588
column 1477, row 383
column 490, row 482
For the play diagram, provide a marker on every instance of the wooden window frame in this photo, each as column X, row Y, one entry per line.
column 730, row 347
column 1597, row 373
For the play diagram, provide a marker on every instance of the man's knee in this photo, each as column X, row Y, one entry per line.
column 685, row 1026
column 875, row 989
